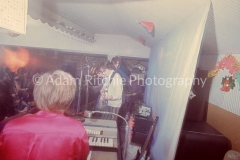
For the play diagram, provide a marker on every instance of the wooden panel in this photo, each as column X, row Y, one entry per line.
column 225, row 122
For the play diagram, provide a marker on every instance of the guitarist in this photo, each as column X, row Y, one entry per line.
column 111, row 92
column 142, row 155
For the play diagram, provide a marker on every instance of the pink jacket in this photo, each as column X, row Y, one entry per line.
column 43, row 136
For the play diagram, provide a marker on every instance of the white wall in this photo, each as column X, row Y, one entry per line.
column 225, row 100
column 43, row 36
column 172, row 64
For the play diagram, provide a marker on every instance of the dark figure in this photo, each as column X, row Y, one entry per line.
column 6, row 99
column 135, row 90
column 26, row 99
column 120, row 68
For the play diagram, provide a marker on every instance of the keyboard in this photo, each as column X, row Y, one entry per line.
column 102, row 138
column 100, row 141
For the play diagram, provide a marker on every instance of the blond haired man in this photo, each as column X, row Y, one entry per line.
column 48, row 134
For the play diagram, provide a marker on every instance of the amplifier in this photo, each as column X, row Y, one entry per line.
column 141, row 109
column 142, row 125
column 141, row 129
column 138, row 138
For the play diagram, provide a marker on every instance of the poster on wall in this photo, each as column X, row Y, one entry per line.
column 13, row 16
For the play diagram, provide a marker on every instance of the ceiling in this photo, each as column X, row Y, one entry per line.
column 121, row 17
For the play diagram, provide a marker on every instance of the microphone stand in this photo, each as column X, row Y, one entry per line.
column 79, row 88
column 87, row 93
column 79, row 92
column 127, row 131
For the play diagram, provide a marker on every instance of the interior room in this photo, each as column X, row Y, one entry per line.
column 189, row 49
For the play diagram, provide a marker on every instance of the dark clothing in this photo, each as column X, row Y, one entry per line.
column 133, row 87
column 123, row 71
column 10, row 75
column 6, row 100
column 27, row 97
column 3, row 110
column 24, row 83
column 2, row 73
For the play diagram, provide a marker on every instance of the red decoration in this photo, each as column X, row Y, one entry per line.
column 227, row 83
column 225, row 87
column 229, row 62
column 149, row 26
column 142, row 40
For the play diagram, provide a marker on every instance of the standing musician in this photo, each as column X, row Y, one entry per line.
column 47, row 134
column 120, row 68
column 111, row 92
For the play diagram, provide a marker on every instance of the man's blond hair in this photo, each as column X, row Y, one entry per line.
column 54, row 91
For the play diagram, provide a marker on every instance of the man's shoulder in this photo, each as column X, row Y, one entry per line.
column 117, row 77
column 117, row 74
column 31, row 121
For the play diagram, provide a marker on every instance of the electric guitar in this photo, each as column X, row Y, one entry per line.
column 141, row 155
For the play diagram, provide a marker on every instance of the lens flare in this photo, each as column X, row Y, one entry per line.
column 15, row 59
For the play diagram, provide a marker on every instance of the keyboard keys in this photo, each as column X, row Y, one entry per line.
column 93, row 132
column 100, row 141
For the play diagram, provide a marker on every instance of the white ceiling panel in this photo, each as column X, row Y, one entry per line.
column 120, row 17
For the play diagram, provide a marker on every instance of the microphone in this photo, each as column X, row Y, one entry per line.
column 88, row 114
